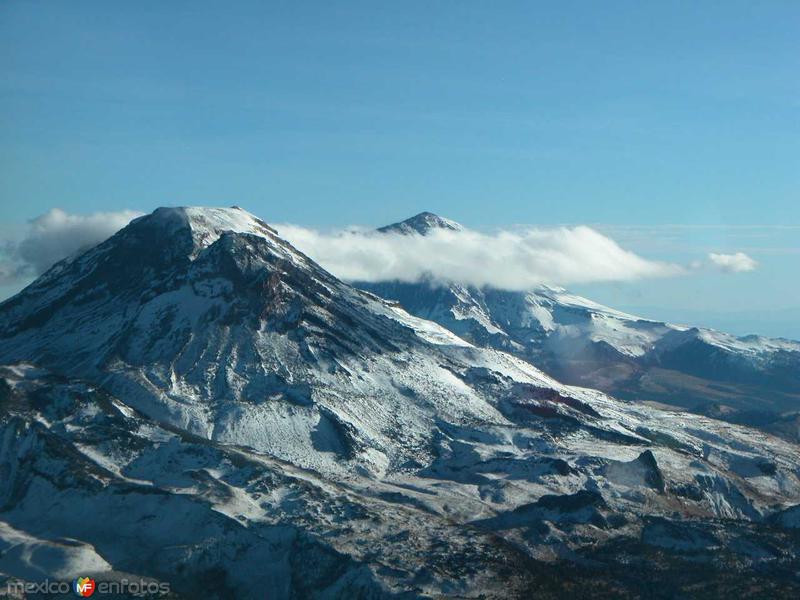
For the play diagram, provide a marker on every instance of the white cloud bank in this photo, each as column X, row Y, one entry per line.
column 508, row 260
column 56, row 235
column 515, row 260
column 733, row 263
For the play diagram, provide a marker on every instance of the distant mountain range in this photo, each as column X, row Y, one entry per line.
column 197, row 402
column 753, row 380
column 776, row 322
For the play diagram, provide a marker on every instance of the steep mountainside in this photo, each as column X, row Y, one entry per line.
column 197, row 402
column 752, row 380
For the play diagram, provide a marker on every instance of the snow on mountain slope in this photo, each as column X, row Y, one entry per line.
column 421, row 224
column 585, row 343
column 231, row 408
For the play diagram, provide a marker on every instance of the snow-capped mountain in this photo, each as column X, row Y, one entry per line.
column 421, row 224
column 752, row 379
column 197, row 402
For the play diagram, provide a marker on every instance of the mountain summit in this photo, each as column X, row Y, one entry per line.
column 422, row 224
column 197, row 401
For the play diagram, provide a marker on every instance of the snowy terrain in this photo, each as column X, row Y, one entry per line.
column 197, row 402
column 752, row 379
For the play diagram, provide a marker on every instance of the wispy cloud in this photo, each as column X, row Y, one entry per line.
column 733, row 263
column 56, row 235
column 702, row 239
column 509, row 260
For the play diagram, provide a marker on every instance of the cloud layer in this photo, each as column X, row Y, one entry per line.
column 733, row 263
column 56, row 235
column 515, row 260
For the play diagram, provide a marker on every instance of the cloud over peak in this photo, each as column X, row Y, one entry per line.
column 518, row 259
column 515, row 260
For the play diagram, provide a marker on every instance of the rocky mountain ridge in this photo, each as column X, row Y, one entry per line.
column 198, row 390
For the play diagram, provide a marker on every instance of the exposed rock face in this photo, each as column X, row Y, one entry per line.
column 641, row 471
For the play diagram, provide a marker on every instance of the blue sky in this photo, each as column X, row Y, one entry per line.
column 644, row 120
